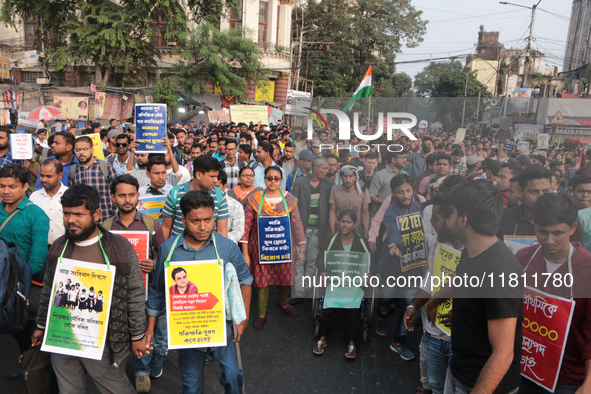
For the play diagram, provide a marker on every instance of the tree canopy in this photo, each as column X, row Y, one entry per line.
column 224, row 58
column 115, row 36
column 362, row 33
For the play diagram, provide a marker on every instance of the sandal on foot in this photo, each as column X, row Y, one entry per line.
column 319, row 348
column 259, row 322
column 289, row 309
column 351, row 353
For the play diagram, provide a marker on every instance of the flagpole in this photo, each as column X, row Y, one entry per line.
column 369, row 112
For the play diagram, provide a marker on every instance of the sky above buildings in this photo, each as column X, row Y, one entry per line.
column 454, row 24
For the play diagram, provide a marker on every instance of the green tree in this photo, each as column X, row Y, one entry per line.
column 446, row 84
column 228, row 59
column 363, row 32
column 426, row 80
column 115, row 36
column 165, row 93
column 389, row 84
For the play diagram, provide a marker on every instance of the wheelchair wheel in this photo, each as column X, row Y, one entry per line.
column 317, row 311
column 317, row 329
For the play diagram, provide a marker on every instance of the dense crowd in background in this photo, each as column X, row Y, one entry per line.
column 338, row 195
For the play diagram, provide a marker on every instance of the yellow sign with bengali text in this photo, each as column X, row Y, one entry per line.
column 265, row 91
column 195, row 304
column 249, row 113
column 444, row 266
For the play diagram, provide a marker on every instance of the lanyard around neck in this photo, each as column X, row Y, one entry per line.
column 263, row 201
column 175, row 243
column 101, row 246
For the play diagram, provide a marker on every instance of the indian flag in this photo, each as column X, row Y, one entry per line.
column 363, row 90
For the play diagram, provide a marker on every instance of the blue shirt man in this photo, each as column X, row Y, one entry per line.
column 196, row 243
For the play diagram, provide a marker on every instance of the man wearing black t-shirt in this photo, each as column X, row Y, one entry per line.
column 487, row 315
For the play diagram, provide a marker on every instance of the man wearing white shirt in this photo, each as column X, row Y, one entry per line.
column 175, row 174
column 156, row 171
column 49, row 197
column 236, row 220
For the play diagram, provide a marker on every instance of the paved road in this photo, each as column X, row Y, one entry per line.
column 279, row 359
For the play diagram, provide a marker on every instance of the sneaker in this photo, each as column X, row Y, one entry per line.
column 382, row 328
column 142, row 384
column 157, row 365
column 402, row 350
column 15, row 373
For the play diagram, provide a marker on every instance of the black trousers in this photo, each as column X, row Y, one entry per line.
column 352, row 321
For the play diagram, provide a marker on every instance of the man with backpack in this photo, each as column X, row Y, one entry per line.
column 26, row 225
column 125, row 195
column 93, row 172
column 205, row 173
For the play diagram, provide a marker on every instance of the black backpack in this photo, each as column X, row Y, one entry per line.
column 15, row 284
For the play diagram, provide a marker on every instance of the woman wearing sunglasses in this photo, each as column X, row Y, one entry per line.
column 279, row 204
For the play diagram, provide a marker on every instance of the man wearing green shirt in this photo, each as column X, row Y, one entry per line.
column 27, row 225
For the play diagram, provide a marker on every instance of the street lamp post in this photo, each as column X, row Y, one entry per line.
column 531, row 30
column 465, row 95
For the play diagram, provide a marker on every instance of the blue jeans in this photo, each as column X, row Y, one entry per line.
column 437, row 354
column 454, row 386
column 151, row 364
column 192, row 362
column 529, row 387
column 403, row 298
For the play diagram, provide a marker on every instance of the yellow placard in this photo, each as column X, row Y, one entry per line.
column 195, row 304
column 96, row 144
column 79, row 308
column 72, row 107
column 249, row 113
column 444, row 266
column 4, row 70
column 265, row 91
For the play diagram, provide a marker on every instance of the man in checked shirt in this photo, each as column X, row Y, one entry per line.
column 93, row 172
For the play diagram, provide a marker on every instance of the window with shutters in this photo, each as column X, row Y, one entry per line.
column 263, row 25
column 236, row 16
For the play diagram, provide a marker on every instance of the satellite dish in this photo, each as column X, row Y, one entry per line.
column 487, row 109
column 485, row 101
column 494, row 102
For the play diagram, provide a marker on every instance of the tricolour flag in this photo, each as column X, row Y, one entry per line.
column 363, row 90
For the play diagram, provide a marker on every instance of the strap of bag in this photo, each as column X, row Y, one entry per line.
column 72, row 173
column 11, row 280
column 107, row 224
column 104, row 169
column 16, row 210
